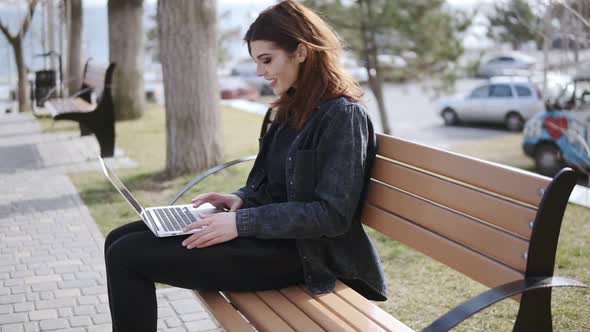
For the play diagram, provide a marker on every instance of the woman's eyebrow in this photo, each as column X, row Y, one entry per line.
column 261, row 55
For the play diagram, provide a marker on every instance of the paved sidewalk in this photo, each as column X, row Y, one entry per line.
column 52, row 273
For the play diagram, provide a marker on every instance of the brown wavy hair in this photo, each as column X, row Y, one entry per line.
column 321, row 77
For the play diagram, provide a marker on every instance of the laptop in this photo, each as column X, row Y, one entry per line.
column 161, row 220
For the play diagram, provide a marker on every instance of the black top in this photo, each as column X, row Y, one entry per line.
column 280, row 136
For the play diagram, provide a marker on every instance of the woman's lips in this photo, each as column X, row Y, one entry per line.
column 273, row 82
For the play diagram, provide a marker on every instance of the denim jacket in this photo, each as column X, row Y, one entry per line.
column 327, row 169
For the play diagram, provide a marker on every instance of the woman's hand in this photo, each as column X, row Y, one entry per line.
column 219, row 227
column 220, row 201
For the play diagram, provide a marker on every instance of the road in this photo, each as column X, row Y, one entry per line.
column 412, row 116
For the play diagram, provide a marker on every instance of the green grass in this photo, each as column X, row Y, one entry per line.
column 420, row 289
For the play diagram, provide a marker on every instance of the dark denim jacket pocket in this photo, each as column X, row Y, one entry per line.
column 305, row 172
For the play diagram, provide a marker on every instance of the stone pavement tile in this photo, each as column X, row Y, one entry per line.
column 100, row 328
column 80, row 321
column 31, row 327
column 194, row 316
column 13, row 318
column 12, row 328
column 186, row 306
column 54, row 324
column 43, row 314
column 201, row 325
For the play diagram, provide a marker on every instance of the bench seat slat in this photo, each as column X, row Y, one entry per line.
column 505, row 214
column 258, row 312
column 68, row 105
column 472, row 264
column 489, row 241
column 348, row 313
column 288, row 311
column 509, row 182
column 315, row 310
column 369, row 309
column 224, row 312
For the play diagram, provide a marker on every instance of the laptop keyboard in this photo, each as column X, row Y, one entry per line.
column 175, row 218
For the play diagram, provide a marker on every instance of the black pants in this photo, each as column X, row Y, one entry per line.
column 136, row 259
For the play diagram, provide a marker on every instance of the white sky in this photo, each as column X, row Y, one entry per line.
column 103, row 2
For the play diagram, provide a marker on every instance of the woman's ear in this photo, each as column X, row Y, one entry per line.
column 301, row 53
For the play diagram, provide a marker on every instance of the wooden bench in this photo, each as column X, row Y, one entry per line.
column 495, row 224
column 96, row 118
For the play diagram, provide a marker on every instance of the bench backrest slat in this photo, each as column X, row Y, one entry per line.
column 454, row 208
column 469, row 262
column 504, row 214
column 487, row 176
column 489, row 241
column 94, row 77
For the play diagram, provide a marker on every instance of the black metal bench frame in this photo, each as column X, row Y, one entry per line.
column 101, row 120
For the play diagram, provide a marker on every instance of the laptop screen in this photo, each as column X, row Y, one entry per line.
column 121, row 187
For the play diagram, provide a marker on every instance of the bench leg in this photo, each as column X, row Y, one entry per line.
column 106, row 140
column 84, row 131
column 534, row 313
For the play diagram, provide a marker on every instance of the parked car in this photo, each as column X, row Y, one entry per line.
column 352, row 66
column 561, row 136
column 506, row 64
column 235, row 88
column 508, row 100
column 247, row 72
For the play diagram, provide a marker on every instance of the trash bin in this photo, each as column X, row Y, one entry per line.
column 44, row 83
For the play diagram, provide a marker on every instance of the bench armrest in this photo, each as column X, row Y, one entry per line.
column 205, row 174
column 52, row 90
column 79, row 92
column 486, row 299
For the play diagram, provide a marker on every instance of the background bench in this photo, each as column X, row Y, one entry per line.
column 92, row 106
column 495, row 224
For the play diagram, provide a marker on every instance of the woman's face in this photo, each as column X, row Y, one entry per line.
column 276, row 65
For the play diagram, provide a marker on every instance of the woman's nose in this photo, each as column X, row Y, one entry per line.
column 260, row 70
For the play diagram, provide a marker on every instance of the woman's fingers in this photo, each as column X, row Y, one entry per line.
column 200, row 239
column 214, row 240
column 196, row 224
column 188, row 242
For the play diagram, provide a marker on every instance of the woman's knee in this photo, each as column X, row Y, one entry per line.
column 121, row 231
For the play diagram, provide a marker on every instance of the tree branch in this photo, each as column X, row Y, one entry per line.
column 27, row 21
column 6, row 33
column 575, row 13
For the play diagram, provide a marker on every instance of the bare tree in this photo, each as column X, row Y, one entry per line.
column 74, row 66
column 188, row 51
column 16, row 41
column 126, row 50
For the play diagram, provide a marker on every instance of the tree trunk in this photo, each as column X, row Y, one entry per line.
column 16, row 42
column 126, row 50
column 188, row 50
column 24, row 102
column 74, row 70
column 373, row 70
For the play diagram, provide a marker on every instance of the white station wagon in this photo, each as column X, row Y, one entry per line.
column 507, row 100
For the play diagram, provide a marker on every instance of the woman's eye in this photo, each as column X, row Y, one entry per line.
column 266, row 61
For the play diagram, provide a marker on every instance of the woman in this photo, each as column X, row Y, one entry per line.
column 296, row 220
